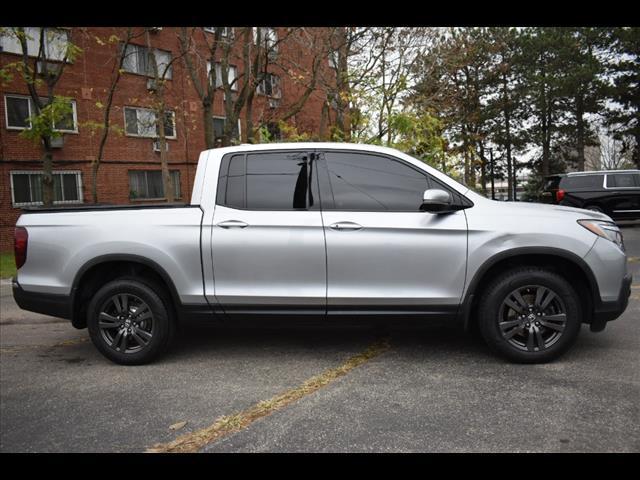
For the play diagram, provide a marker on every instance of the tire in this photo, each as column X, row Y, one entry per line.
column 520, row 334
column 128, row 321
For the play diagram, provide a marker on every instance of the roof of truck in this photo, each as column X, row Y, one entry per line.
column 304, row 145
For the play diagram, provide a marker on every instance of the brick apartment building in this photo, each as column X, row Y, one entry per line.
column 130, row 169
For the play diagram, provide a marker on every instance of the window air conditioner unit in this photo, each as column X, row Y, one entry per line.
column 56, row 142
column 151, row 85
column 156, row 146
column 274, row 102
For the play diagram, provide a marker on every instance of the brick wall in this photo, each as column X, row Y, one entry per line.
column 87, row 81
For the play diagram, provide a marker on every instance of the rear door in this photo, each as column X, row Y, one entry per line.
column 623, row 191
column 268, row 243
column 384, row 255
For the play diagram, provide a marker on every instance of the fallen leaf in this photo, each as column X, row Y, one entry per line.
column 177, row 426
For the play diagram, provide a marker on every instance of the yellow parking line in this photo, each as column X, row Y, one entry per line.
column 194, row 441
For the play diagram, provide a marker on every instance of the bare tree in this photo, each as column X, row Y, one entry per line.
column 121, row 45
column 159, row 74
column 615, row 153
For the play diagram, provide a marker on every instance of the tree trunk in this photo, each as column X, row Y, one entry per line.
column 249, row 134
column 324, row 114
column 47, row 176
column 507, row 136
column 580, row 131
column 167, row 182
column 483, row 169
column 207, row 116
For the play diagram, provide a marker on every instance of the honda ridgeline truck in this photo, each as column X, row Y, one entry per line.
column 327, row 230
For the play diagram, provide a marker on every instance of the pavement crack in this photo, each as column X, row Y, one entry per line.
column 228, row 424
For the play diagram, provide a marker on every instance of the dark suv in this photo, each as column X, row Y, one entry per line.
column 616, row 192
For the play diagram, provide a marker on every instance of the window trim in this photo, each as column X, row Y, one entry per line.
column 74, row 109
column 324, row 184
column 77, row 173
column 147, row 199
column 173, row 113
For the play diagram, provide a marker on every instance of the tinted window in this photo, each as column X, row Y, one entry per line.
column 623, row 180
column 277, row 181
column 582, row 182
column 268, row 181
column 374, row 183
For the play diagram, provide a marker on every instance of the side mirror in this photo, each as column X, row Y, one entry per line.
column 435, row 200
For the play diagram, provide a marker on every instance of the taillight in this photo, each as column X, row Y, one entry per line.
column 559, row 195
column 21, row 238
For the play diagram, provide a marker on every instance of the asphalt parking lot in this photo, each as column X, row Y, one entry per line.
column 425, row 390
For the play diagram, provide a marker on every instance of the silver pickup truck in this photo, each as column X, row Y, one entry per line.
column 329, row 230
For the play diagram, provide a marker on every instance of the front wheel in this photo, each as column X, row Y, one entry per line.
column 530, row 315
column 128, row 322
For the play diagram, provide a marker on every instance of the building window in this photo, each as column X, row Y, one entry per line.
column 55, row 42
column 227, row 32
column 19, row 108
column 141, row 122
column 270, row 86
column 268, row 38
column 147, row 184
column 218, row 130
column 137, row 60
column 26, row 187
column 232, row 75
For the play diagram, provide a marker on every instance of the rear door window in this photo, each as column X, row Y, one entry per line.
column 268, row 181
column 623, row 180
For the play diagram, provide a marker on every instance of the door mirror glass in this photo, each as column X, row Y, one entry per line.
column 437, row 201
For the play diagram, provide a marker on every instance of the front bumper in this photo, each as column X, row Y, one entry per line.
column 45, row 303
column 607, row 311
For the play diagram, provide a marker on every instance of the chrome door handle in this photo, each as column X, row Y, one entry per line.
column 345, row 226
column 232, row 224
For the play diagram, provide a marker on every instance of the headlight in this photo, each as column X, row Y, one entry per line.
column 607, row 230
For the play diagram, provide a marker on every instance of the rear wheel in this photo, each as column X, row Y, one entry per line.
column 128, row 322
column 530, row 315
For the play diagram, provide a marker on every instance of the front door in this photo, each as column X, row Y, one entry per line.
column 384, row 255
column 268, row 244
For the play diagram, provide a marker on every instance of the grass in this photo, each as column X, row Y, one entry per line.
column 7, row 265
column 228, row 424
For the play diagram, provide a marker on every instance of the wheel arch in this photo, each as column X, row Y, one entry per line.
column 569, row 265
column 108, row 267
